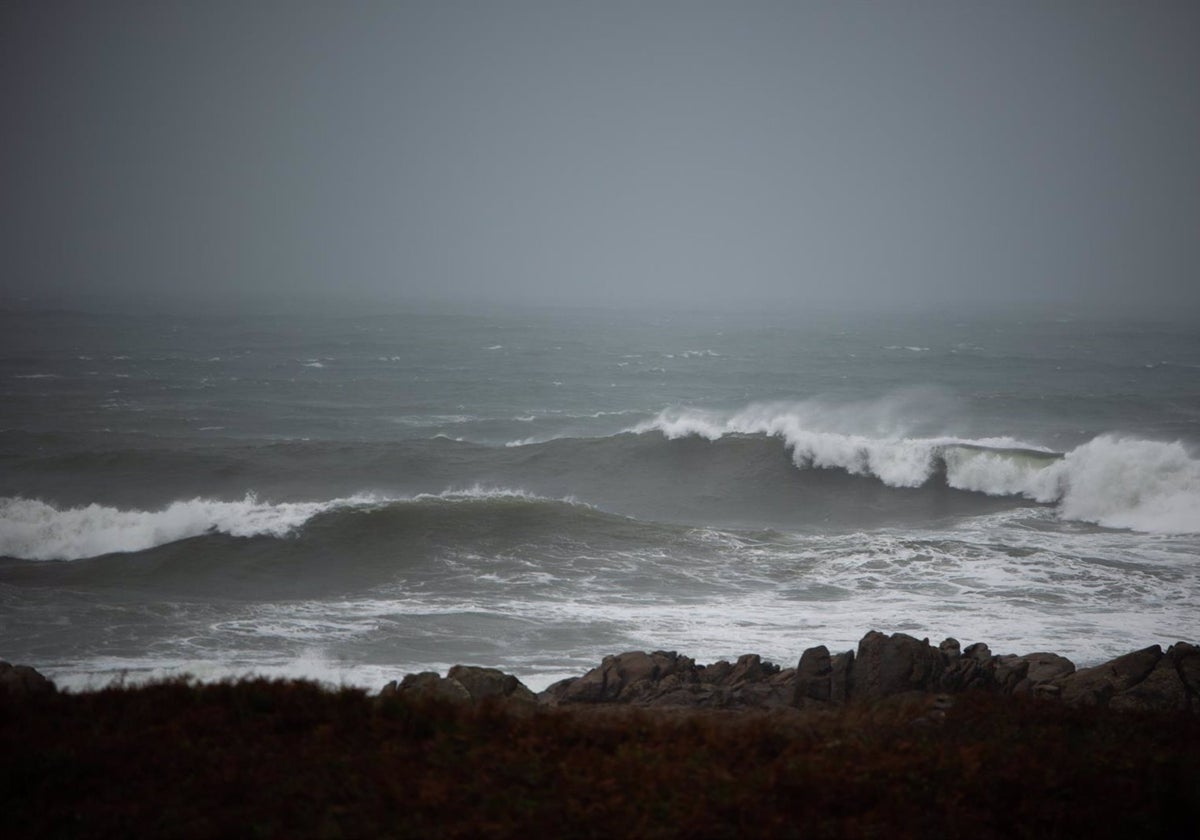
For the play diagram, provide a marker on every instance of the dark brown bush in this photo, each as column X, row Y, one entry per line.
column 290, row 759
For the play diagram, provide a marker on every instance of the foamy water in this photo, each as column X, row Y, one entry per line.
column 352, row 499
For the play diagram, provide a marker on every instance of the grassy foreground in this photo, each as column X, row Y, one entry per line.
column 290, row 759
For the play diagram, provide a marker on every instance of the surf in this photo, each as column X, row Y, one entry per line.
column 1111, row 480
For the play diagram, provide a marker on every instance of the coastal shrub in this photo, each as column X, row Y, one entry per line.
column 285, row 758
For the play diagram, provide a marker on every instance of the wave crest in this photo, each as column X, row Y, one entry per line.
column 1117, row 482
column 31, row 529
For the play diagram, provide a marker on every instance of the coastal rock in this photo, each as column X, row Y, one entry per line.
column 1010, row 671
column 623, row 678
column 840, row 665
column 813, row 675
column 978, row 651
column 822, row 678
column 1096, row 686
column 966, row 673
column 428, row 685
column 1187, row 664
column 887, row 665
column 715, row 674
column 23, row 681
column 1161, row 690
column 1043, row 668
column 751, row 668
column 482, row 683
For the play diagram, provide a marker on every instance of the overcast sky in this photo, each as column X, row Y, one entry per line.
column 763, row 152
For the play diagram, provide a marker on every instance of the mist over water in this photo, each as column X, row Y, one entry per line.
column 352, row 497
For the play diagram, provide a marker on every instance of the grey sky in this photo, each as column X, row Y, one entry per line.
column 664, row 151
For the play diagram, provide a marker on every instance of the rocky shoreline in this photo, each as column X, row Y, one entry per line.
column 898, row 738
column 882, row 667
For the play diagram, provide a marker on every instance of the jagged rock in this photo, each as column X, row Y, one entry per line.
column 1187, row 663
column 623, row 678
column 715, row 674
column 1010, row 671
column 1162, row 690
column 23, row 681
column 978, row 651
column 1096, row 686
column 813, row 675
column 887, row 665
column 1043, row 668
column 840, row 666
column 751, row 668
column 968, row 674
column 482, row 683
column 950, row 649
column 428, row 685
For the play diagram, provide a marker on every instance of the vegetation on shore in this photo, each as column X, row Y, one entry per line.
column 291, row 759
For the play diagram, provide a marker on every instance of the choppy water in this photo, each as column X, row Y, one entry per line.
column 352, row 497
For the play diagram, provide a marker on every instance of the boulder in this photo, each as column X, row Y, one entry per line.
column 428, row 685
column 978, row 651
column 1009, row 671
column 1096, row 686
column 1043, row 668
column 813, row 675
column 966, row 673
column 751, row 668
column 840, row 665
column 1187, row 664
column 23, row 681
column 715, row 674
column 1162, row 690
column 624, row 678
column 887, row 665
column 482, row 683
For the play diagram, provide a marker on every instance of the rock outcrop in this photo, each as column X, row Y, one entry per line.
column 463, row 685
column 665, row 678
column 883, row 666
column 23, row 681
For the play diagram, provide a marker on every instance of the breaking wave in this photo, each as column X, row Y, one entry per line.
column 31, row 529
column 1114, row 481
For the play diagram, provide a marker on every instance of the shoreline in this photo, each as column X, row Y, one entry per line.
column 475, row 754
column 881, row 666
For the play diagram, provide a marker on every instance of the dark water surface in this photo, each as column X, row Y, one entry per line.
column 351, row 497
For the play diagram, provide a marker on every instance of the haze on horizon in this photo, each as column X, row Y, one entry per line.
column 682, row 153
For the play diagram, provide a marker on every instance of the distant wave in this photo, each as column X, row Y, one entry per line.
column 1117, row 482
column 34, row 530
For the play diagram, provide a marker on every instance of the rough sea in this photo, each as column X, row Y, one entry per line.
column 354, row 497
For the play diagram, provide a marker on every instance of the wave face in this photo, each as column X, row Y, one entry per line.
column 1112, row 481
column 33, row 530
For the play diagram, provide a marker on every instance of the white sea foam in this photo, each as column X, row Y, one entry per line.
column 1117, row 482
column 30, row 529
column 33, row 530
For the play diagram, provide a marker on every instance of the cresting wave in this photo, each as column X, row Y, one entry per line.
column 33, row 530
column 1114, row 481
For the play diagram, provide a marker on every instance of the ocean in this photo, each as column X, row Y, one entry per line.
column 355, row 496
